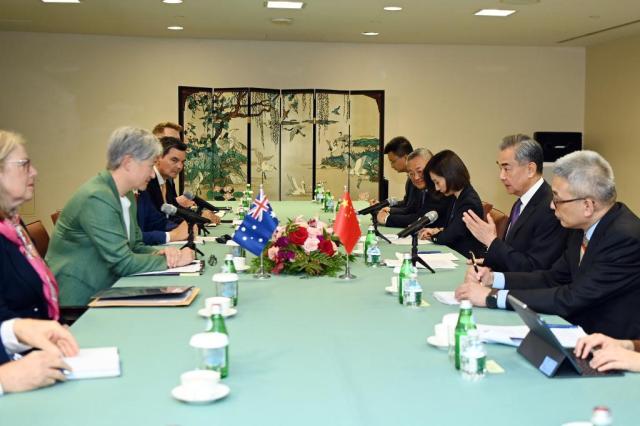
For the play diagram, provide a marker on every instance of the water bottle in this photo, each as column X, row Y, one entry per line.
column 321, row 194
column 367, row 242
column 373, row 254
column 413, row 291
column 465, row 323
column 405, row 275
column 473, row 356
column 315, row 193
column 216, row 325
column 228, row 266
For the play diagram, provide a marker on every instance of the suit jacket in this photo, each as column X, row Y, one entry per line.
column 455, row 233
column 534, row 242
column 422, row 202
column 153, row 223
column 3, row 353
column 411, row 194
column 601, row 293
column 90, row 248
column 153, row 188
column 21, row 292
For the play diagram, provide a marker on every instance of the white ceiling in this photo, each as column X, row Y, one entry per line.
column 545, row 23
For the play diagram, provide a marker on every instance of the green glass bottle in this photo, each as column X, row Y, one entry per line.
column 217, row 325
column 228, row 266
column 368, row 240
column 327, row 201
column 404, row 277
column 465, row 323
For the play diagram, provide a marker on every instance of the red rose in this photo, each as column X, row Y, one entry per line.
column 326, row 247
column 299, row 236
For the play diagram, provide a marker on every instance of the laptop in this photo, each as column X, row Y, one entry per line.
column 543, row 350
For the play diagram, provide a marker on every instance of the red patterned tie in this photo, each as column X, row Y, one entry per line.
column 583, row 247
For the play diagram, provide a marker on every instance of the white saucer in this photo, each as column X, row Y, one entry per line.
column 188, row 394
column 204, row 312
column 437, row 343
column 242, row 268
column 391, row 289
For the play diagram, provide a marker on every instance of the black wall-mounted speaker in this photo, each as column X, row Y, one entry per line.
column 558, row 144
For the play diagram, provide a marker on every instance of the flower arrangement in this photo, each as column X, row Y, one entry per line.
column 303, row 247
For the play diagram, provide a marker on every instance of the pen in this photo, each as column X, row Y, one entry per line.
column 429, row 252
column 562, row 326
column 473, row 261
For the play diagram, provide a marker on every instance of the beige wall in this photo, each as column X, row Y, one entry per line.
column 66, row 93
column 612, row 112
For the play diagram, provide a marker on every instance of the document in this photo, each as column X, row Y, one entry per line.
column 436, row 261
column 196, row 240
column 512, row 335
column 195, row 267
column 94, row 363
column 406, row 241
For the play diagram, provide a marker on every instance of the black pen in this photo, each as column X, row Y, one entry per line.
column 473, row 261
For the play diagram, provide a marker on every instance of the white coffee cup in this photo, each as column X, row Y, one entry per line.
column 201, row 380
column 223, row 302
column 441, row 333
column 394, row 283
column 239, row 262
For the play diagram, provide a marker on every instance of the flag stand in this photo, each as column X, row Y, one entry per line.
column 261, row 274
column 347, row 272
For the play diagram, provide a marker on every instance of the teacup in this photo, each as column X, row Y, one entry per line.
column 239, row 262
column 223, row 302
column 201, row 380
column 441, row 333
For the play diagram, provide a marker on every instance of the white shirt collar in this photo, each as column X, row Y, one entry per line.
column 161, row 180
column 126, row 204
column 527, row 196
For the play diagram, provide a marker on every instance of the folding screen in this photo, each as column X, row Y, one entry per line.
column 287, row 140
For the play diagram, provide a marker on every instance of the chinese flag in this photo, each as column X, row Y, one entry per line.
column 346, row 226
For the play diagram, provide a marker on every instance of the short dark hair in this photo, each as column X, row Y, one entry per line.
column 448, row 165
column 159, row 128
column 527, row 149
column 399, row 145
column 169, row 143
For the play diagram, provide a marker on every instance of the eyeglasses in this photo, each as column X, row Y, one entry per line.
column 557, row 201
column 24, row 164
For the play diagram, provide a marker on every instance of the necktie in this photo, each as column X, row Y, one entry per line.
column 163, row 190
column 515, row 214
column 583, row 247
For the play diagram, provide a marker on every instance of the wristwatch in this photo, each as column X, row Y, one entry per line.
column 492, row 300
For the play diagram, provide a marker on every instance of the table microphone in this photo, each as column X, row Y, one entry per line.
column 202, row 204
column 425, row 220
column 389, row 202
column 187, row 215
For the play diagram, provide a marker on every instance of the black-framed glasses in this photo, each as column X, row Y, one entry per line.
column 557, row 201
column 213, row 260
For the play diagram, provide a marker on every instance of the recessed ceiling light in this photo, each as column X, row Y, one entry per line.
column 175, row 28
column 494, row 12
column 285, row 4
column 392, row 8
column 370, row 33
column 522, row 2
column 282, row 21
column 172, row 1
column 60, row 1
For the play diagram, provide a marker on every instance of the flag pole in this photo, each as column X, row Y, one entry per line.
column 261, row 274
column 347, row 276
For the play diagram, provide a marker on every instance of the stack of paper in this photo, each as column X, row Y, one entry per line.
column 94, row 363
column 512, row 335
column 435, row 260
column 446, row 297
column 195, row 267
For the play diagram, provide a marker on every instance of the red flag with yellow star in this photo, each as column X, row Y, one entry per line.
column 346, row 226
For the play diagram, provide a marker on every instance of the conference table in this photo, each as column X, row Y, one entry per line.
column 312, row 351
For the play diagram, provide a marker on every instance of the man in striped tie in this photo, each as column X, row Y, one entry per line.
column 596, row 281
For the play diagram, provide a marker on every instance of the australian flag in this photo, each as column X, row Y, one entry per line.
column 258, row 225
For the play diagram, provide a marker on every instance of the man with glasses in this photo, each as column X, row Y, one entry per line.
column 534, row 238
column 397, row 150
column 423, row 198
column 596, row 281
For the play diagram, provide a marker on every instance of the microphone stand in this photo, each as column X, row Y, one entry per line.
column 190, row 240
column 374, row 221
column 202, row 230
column 414, row 253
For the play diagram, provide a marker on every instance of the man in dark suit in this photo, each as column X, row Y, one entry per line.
column 422, row 198
column 156, row 228
column 534, row 238
column 596, row 282
column 161, row 189
column 397, row 150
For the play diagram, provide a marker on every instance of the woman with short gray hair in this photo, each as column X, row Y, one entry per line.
column 97, row 239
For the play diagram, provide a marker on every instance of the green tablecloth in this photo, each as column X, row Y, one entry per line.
column 312, row 352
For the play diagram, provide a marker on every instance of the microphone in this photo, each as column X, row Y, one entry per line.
column 425, row 220
column 187, row 215
column 202, row 204
column 389, row 202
